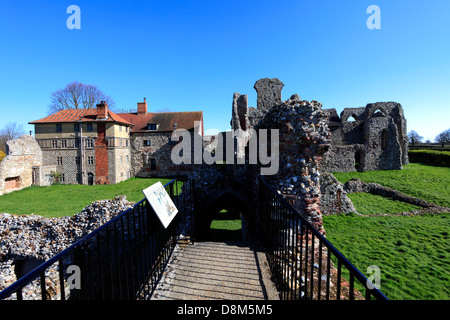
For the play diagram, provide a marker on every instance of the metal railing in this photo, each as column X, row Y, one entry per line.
column 122, row 260
column 304, row 264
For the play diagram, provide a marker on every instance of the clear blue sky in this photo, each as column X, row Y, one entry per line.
column 193, row 55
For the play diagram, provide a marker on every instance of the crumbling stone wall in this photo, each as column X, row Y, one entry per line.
column 16, row 170
column 376, row 139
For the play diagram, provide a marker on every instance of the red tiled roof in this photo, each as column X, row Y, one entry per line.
column 83, row 115
column 166, row 120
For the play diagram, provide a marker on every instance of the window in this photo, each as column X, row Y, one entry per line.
column 151, row 126
column 153, row 164
column 147, row 143
column 77, row 143
column 58, row 127
column 171, row 142
column 76, row 127
column 77, row 160
column 89, row 127
column 63, row 177
column 89, row 143
column 59, row 160
column 63, row 143
column 128, row 158
column 54, row 144
column 90, row 160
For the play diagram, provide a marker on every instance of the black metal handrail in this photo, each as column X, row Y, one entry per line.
column 122, row 259
column 301, row 258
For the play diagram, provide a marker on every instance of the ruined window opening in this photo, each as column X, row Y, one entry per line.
column 153, row 164
column 352, row 118
column 384, row 139
column 358, row 160
column 13, row 183
column 378, row 113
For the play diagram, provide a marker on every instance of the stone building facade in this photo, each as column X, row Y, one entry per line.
column 87, row 146
column 98, row 146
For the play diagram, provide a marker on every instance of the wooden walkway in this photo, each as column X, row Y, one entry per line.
column 216, row 270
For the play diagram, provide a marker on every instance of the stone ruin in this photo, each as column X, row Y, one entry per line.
column 16, row 169
column 313, row 142
column 374, row 139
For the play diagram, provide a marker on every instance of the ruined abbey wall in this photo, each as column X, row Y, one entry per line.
column 16, row 170
column 374, row 139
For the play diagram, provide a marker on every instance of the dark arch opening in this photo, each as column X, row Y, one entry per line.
column 226, row 226
column 224, row 218
column 384, row 139
column 358, row 159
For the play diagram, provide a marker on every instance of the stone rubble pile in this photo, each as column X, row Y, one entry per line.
column 35, row 237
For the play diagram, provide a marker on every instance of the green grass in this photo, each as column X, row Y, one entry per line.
column 412, row 252
column 67, row 200
column 367, row 204
column 226, row 226
column 417, row 180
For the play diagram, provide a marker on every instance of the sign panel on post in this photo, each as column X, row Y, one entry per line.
column 161, row 202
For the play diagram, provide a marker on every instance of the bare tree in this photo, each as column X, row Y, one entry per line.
column 414, row 137
column 443, row 137
column 77, row 95
column 10, row 132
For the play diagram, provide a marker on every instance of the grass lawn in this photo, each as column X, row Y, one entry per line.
column 67, row 200
column 366, row 204
column 226, row 227
column 417, row 180
column 412, row 252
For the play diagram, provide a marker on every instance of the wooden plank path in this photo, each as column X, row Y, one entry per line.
column 217, row 270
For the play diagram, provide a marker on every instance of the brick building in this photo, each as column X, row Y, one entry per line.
column 98, row 146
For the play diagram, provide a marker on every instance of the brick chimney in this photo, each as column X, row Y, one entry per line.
column 142, row 108
column 102, row 111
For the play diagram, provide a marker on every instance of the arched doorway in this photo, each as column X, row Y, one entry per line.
column 90, row 178
column 228, row 216
column 226, row 226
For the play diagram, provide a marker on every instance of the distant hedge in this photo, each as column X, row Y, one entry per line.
column 434, row 157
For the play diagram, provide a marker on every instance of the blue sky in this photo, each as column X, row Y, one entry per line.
column 193, row 55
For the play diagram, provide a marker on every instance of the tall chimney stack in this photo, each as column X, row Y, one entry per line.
column 142, row 107
column 102, row 111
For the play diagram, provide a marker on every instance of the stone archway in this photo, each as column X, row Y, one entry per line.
column 230, row 200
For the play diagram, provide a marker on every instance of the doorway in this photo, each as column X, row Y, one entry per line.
column 90, row 178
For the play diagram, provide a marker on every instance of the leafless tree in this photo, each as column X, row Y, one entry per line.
column 443, row 137
column 77, row 95
column 414, row 138
column 11, row 131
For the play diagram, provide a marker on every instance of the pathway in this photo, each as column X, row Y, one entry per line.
column 216, row 270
